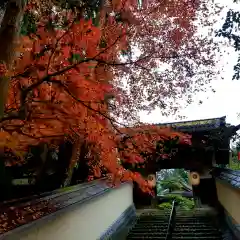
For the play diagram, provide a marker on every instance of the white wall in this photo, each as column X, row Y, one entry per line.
column 229, row 198
column 84, row 222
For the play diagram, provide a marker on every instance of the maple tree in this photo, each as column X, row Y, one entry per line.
column 76, row 79
column 164, row 59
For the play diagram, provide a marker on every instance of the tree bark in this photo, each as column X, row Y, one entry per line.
column 9, row 31
column 81, row 173
column 40, row 174
column 74, row 159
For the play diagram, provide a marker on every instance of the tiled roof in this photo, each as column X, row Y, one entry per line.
column 197, row 125
column 229, row 176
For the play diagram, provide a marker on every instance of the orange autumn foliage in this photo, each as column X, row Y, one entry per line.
column 60, row 87
column 144, row 139
column 57, row 104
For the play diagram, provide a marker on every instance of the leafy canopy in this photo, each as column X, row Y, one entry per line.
column 70, row 79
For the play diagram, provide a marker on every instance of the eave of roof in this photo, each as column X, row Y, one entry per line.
column 228, row 176
column 197, row 125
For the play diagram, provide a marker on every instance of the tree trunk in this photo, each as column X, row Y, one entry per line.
column 40, row 174
column 9, row 31
column 5, row 182
column 74, row 159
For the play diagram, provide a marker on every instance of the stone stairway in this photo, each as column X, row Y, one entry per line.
column 188, row 225
column 150, row 225
column 195, row 225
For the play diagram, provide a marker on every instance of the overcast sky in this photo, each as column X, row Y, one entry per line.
column 225, row 102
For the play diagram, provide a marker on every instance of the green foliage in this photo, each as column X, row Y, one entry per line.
column 234, row 163
column 28, row 24
column 89, row 8
column 159, row 188
column 234, row 166
column 182, row 202
column 182, row 174
column 165, row 206
column 172, row 180
column 171, row 184
column 230, row 31
column 75, row 58
column 173, row 173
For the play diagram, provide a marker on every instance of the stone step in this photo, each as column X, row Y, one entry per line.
column 154, row 225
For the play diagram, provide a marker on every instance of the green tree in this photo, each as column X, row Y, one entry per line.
column 230, row 31
column 172, row 179
column 183, row 174
column 234, row 163
column 172, row 184
column 182, row 202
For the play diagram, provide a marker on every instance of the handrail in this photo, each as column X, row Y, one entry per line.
column 171, row 221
